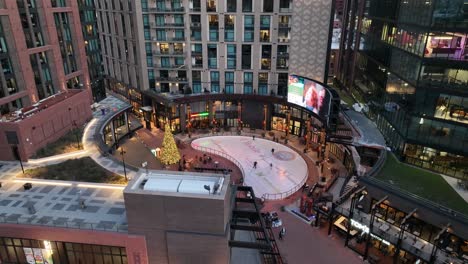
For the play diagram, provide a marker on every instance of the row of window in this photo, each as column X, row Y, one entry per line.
column 232, row 5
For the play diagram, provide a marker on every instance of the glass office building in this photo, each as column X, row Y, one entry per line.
column 411, row 68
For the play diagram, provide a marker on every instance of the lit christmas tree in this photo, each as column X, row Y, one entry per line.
column 169, row 152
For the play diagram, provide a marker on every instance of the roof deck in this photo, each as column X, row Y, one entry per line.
column 58, row 204
column 181, row 183
column 45, row 103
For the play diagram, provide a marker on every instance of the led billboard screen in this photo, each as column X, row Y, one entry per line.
column 308, row 94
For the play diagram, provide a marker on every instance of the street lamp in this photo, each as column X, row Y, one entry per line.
column 122, row 152
column 17, row 155
column 75, row 127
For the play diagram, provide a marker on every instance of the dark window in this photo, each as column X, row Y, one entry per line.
column 246, row 56
column 231, row 5
column 12, row 138
column 267, row 5
column 246, row 5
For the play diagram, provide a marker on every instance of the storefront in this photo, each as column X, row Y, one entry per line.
column 15, row 250
column 435, row 160
column 136, row 102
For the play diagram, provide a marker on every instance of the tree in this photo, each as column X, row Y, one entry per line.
column 169, row 151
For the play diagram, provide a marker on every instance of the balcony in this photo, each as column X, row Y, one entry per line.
column 284, row 55
column 281, row 67
column 197, row 53
column 283, row 40
column 164, row 10
column 176, row 39
column 284, row 25
column 167, row 25
column 171, row 79
column 195, row 9
column 285, row 10
column 197, row 65
column 195, row 25
column 168, row 53
column 169, row 66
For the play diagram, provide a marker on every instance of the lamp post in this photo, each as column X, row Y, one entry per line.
column 74, row 127
column 17, row 155
column 189, row 123
column 286, row 110
column 122, row 152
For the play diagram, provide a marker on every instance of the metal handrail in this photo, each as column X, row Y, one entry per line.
column 266, row 196
column 223, row 155
column 64, row 224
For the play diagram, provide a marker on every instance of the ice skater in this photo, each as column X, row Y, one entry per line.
column 272, row 151
column 255, row 165
column 271, row 165
column 253, row 137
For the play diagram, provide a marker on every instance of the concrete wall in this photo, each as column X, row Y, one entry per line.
column 180, row 229
column 309, row 38
column 135, row 245
column 46, row 126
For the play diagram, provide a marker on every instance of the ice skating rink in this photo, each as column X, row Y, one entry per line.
column 288, row 168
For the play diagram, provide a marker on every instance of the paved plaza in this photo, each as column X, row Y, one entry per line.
column 63, row 204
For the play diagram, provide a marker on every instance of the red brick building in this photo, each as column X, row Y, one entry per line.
column 42, row 55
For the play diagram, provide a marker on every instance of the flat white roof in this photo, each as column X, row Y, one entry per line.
column 181, row 183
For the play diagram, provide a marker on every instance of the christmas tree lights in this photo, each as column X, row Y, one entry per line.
column 169, row 151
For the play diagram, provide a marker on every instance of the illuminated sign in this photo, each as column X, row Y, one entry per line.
column 365, row 229
column 201, row 114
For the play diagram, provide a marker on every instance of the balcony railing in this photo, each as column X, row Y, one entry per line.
column 283, row 55
column 176, row 39
column 195, row 25
column 284, row 25
column 197, row 53
column 166, row 25
column 285, row 10
column 169, row 66
column 168, row 53
column 164, row 9
column 171, row 79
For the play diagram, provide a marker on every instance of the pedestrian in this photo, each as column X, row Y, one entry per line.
column 283, row 232
column 253, row 137
column 272, row 151
column 82, row 204
column 255, row 165
column 280, row 235
column 271, row 165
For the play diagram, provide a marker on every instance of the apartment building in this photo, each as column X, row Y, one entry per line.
column 158, row 50
column 410, row 67
column 45, row 86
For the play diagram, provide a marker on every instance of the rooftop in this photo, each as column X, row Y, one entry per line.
column 57, row 203
column 423, row 183
column 28, row 111
column 185, row 183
